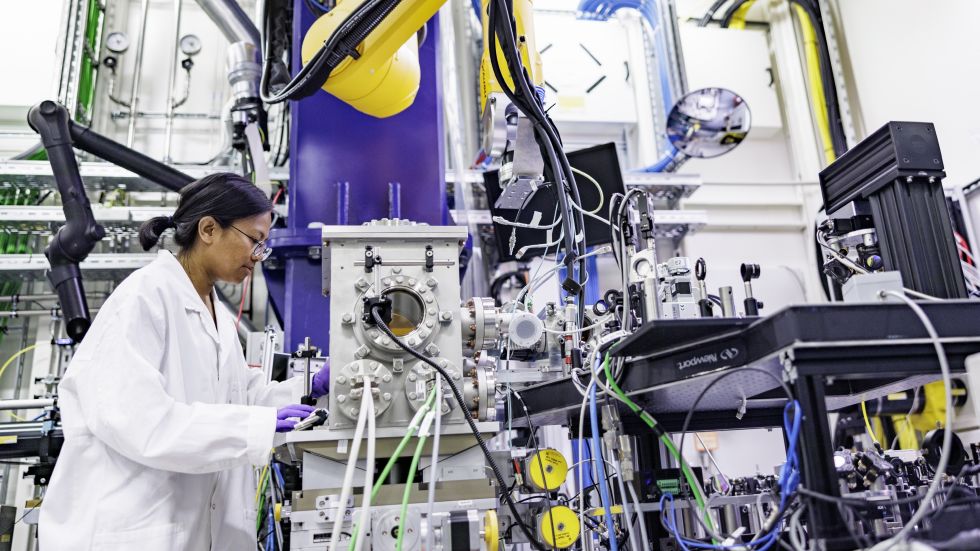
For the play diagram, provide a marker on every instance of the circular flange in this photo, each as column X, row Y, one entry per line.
column 418, row 384
column 349, row 387
column 424, row 330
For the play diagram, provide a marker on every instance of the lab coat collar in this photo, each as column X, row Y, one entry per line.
column 188, row 294
column 181, row 281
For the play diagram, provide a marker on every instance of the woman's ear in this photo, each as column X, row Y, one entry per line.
column 207, row 228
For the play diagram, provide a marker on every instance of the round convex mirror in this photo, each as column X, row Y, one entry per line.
column 708, row 122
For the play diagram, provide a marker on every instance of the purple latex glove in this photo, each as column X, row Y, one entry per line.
column 288, row 416
column 321, row 381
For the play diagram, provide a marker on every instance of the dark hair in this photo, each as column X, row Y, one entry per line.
column 224, row 196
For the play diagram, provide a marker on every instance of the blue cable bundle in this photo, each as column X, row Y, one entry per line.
column 601, row 465
column 600, row 10
column 789, row 479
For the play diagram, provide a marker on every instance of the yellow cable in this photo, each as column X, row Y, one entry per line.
column 16, row 355
column 816, row 82
column 258, row 488
column 867, row 423
column 15, row 416
column 602, row 196
column 738, row 18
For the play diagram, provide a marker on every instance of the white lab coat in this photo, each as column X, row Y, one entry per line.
column 159, row 443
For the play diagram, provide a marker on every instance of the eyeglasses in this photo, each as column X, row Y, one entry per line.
column 259, row 251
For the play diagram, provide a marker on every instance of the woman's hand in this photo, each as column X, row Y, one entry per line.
column 288, row 416
column 321, row 381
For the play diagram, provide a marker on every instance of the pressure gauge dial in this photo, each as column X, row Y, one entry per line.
column 190, row 44
column 117, row 42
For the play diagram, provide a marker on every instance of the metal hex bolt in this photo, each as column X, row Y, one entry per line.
column 387, row 397
column 342, row 380
column 412, row 395
column 348, row 319
column 341, row 399
column 446, row 316
column 431, row 282
column 386, row 378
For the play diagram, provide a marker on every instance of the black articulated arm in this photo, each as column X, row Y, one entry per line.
column 76, row 239
column 116, row 153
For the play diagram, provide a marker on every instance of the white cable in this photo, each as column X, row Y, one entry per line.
column 503, row 221
column 581, row 471
column 536, row 282
column 601, row 321
column 367, row 404
column 626, row 501
column 642, row 517
column 523, row 250
column 602, row 197
column 947, row 429
column 434, row 464
column 797, row 536
column 587, row 213
column 347, row 486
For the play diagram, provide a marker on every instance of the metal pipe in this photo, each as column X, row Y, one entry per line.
column 172, row 87
column 29, row 298
column 28, row 313
column 145, row 115
column 727, row 302
column 232, row 20
column 134, row 97
column 40, row 403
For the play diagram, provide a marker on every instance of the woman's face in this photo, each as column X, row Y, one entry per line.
column 230, row 257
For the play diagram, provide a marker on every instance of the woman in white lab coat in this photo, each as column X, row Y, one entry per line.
column 163, row 420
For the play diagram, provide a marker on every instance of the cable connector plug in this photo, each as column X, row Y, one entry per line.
column 382, row 304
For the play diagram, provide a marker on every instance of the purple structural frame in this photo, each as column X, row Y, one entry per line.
column 347, row 168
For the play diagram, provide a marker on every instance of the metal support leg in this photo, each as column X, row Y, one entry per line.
column 817, row 462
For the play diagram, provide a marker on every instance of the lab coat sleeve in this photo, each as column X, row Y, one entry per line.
column 124, row 401
column 272, row 393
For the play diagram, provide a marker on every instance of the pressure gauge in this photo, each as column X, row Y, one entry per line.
column 117, row 42
column 190, row 44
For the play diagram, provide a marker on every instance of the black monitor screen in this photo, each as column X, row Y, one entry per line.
column 601, row 162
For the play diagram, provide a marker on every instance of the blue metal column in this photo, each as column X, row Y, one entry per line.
column 341, row 162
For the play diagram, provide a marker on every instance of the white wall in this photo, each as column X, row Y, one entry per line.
column 28, row 38
column 917, row 60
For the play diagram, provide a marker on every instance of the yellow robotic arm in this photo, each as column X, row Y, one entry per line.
column 382, row 78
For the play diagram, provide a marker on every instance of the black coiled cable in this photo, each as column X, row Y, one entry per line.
column 469, row 420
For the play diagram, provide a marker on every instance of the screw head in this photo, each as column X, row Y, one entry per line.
column 386, row 378
column 412, row 395
column 431, row 282
column 342, row 380
column 341, row 399
column 355, row 411
column 387, row 397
